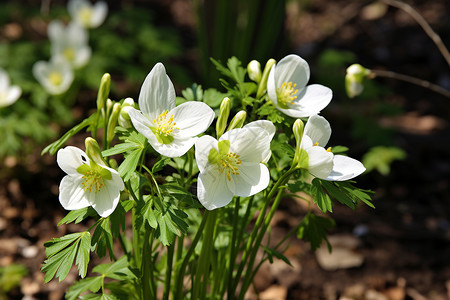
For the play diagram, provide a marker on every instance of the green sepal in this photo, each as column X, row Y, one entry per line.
column 213, row 156
column 224, row 147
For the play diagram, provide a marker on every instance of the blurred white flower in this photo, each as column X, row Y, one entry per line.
column 86, row 14
column 87, row 183
column 287, row 89
column 70, row 42
column 354, row 79
column 55, row 76
column 8, row 93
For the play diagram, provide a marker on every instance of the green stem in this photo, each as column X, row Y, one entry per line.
column 202, row 273
column 170, row 252
column 258, row 223
column 182, row 270
column 148, row 291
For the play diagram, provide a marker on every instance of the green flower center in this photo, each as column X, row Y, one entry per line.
column 228, row 162
column 55, row 78
column 164, row 128
column 286, row 94
column 69, row 53
column 94, row 177
column 85, row 16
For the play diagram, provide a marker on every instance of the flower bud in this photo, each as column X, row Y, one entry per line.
column 263, row 84
column 354, row 79
column 113, row 122
column 254, row 71
column 298, row 128
column 93, row 151
column 222, row 119
column 238, row 120
column 103, row 91
column 124, row 118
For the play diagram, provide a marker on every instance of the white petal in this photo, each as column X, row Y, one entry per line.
column 82, row 57
column 70, row 158
column 318, row 129
column 292, row 68
column 252, row 144
column 157, row 92
column 13, row 94
column 100, row 10
column 269, row 130
column 320, row 162
column 4, row 80
column 105, row 201
column 202, row 147
column 271, row 87
column 142, row 123
column 311, row 100
column 345, row 168
column 176, row 148
column 212, row 189
column 116, row 179
column 252, row 178
column 55, row 30
column 192, row 118
column 71, row 194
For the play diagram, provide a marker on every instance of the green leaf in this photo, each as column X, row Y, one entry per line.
column 128, row 166
column 117, row 270
column 159, row 165
column 272, row 252
column 117, row 218
column 380, row 158
column 83, row 255
column 213, row 97
column 314, row 230
column 78, row 215
column 102, row 239
column 55, row 146
column 92, row 284
column 320, row 198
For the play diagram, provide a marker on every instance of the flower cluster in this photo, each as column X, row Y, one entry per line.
column 69, row 45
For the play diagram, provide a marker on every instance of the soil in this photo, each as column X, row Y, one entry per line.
column 399, row 250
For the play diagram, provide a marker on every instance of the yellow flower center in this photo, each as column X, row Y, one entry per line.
column 69, row 53
column 164, row 127
column 229, row 164
column 55, row 78
column 286, row 94
column 92, row 181
column 85, row 16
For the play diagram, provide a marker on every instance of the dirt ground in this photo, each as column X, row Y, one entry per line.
column 398, row 251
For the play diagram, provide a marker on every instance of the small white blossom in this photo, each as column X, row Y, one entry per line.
column 87, row 183
column 70, row 42
column 8, row 93
column 170, row 129
column 234, row 164
column 55, row 76
column 86, row 14
column 287, row 89
column 321, row 162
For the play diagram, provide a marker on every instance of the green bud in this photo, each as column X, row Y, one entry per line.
column 103, row 91
column 254, row 71
column 354, row 79
column 113, row 122
column 238, row 120
column 128, row 102
column 222, row 119
column 93, row 151
column 298, row 128
column 265, row 75
column 124, row 118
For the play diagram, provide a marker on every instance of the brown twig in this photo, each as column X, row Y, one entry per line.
column 424, row 24
column 420, row 82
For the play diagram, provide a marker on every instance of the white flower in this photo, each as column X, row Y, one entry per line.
column 321, row 162
column 70, row 42
column 55, row 76
column 86, row 14
column 87, row 183
column 170, row 130
column 233, row 165
column 8, row 93
column 354, row 79
column 287, row 89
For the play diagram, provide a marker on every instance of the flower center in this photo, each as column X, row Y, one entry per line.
column 164, row 128
column 69, row 53
column 55, row 78
column 286, row 94
column 92, row 181
column 229, row 164
column 85, row 16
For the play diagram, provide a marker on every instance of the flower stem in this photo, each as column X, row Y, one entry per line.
column 180, row 273
column 170, row 252
column 420, row 82
column 148, row 290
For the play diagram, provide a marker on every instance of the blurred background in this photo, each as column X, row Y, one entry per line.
column 400, row 250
